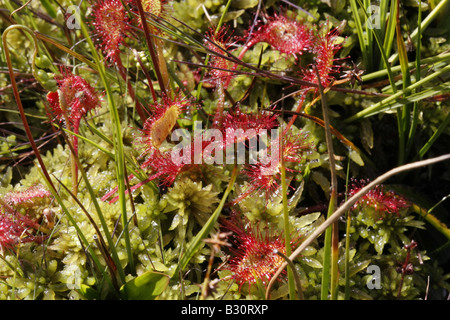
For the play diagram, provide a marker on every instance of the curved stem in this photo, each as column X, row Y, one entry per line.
column 44, row 171
column 298, row 284
column 348, row 204
column 17, row 95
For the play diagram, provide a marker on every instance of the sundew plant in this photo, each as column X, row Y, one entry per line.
column 224, row 150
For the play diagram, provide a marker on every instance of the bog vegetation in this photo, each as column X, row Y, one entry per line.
column 340, row 192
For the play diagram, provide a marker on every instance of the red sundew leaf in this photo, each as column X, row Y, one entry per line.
column 73, row 100
column 380, row 200
column 236, row 119
column 324, row 50
column 219, row 43
column 253, row 255
column 111, row 24
column 53, row 99
column 259, row 180
column 285, row 35
column 27, row 197
column 237, row 126
column 158, row 127
column 266, row 177
column 155, row 8
column 163, row 167
column 16, row 228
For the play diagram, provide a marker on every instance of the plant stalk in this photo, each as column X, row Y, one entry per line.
column 348, row 204
column 287, row 232
column 119, row 152
column 17, row 95
column 331, row 246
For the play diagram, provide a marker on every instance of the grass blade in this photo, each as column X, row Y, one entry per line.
column 415, row 112
column 442, row 127
column 331, row 245
column 425, row 23
column 389, row 32
column 403, row 114
column 386, row 103
column 359, row 30
column 119, row 151
column 287, row 232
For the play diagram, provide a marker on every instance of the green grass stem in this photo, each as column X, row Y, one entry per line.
column 119, row 154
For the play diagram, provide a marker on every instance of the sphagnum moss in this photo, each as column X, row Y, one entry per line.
column 59, row 253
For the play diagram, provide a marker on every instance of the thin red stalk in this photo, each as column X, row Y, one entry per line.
column 404, row 267
column 139, row 108
column 151, row 47
column 147, row 75
column 19, row 101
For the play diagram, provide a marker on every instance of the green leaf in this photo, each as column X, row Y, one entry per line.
column 88, row 292
column 358, row 267
column 313, row 263
column 244, row 4
column 356, row 157
column 49, row 8
column 147, row 286
column 306, row 220
column 386, row 104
